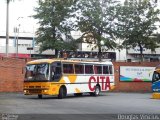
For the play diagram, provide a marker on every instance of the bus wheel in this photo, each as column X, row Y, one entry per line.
column 96, row 91
column 62, row 93
column 40, row 96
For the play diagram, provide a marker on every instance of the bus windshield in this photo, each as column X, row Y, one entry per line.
column 156, row 76
column 37, row 72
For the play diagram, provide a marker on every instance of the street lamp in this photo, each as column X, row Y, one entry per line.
column 16, row 31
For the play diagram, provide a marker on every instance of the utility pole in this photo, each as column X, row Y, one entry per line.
column 7, row 27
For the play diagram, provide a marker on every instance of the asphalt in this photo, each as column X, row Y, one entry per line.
column 106, row 106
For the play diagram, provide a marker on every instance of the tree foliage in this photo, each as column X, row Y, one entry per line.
column 97, row 22
column 136, row 23
column 55, row 26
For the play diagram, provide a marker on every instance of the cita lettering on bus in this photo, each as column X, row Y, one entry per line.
column 103, row 80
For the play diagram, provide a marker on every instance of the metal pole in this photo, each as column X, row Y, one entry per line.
column 7, row 27
column 17, row 38
column 30, row 53
column 18, row 28
column 17, row 43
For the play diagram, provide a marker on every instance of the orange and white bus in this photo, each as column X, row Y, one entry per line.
column 63, row 77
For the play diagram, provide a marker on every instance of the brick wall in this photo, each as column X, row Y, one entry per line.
column 11, row 76
column 132, row 86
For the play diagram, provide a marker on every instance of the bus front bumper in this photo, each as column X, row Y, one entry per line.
column 36, row 91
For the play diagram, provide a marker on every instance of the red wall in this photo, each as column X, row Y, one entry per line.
column 11, row 76
column 132, row 86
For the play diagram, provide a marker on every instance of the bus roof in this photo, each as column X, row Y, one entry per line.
column 39, row 61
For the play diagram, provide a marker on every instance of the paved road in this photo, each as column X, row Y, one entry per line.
column 107, row 103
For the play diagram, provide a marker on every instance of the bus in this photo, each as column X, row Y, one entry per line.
column 63, row 77
column 156, row 83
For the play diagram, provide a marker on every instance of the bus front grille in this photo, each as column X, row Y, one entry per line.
column 34, row 86
column 35, row 91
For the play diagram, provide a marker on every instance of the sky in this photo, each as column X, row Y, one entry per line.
column 19, row 12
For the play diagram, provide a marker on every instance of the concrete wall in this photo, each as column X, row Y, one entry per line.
column 11, row 76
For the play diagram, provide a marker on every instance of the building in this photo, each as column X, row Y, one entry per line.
column 27, row 48
column 21, row 46
column 148, row 55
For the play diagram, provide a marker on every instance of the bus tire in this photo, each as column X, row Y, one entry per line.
column 39, row 96
column 62, row 93
column 96, row 91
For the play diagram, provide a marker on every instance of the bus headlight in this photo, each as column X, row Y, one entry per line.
column 25, row 91
column 45, row 91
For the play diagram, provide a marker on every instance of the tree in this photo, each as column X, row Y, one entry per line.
column 55, row 25
column 96, row 22
column 136, row 24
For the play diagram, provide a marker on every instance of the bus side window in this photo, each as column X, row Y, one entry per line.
column 68, row 68
column 55, row 71
column 98, row 69
column 105, row 70
column 89, row 69
column 95, row 70
column 110, row 70
column 79, row 69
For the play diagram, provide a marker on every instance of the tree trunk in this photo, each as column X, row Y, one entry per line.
column 99, row 53
column 99, row 46
column 56, row 53
column 141, row 52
